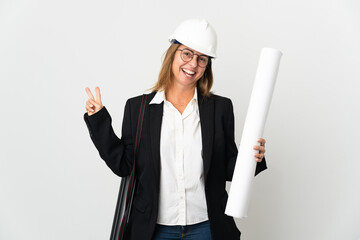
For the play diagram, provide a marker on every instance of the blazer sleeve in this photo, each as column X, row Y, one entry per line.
column 117, row 153
column 231, row 147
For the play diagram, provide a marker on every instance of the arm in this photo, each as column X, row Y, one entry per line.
column 231, row 149
column 117, row 153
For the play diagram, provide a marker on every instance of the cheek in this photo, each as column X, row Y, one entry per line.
column 175, row 68
column 201, row 73
column 175, row 65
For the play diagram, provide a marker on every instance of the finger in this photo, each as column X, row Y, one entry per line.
column 261, row 149
column 98, row 95
column 89, row 93
column 259, row 155
column 97, row 105
column 88, row 103
column 261, row 141
column 258, row 159
column 89, row 109
column 257, row 148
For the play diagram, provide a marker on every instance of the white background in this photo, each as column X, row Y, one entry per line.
column 53, row 184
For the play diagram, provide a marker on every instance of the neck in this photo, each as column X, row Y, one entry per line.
column 180, row 95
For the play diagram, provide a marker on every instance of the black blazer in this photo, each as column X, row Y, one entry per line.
column 219, row 156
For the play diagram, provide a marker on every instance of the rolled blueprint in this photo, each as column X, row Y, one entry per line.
column 244, row 172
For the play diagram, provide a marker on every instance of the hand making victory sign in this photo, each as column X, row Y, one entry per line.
column 93, row 105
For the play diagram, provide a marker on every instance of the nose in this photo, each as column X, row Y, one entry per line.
column 194, row 61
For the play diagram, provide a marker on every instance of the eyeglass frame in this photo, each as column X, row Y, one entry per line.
column 197, row 60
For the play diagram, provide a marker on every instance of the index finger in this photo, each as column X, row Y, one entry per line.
column 89, row 93
column 262, row 141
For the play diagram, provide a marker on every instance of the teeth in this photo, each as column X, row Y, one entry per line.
column 188, row 71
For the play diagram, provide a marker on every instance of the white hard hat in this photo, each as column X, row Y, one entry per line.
column 197, row 34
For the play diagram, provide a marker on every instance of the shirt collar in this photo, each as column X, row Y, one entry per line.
column 160, row 97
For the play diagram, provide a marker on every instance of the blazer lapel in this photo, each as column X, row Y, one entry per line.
column 206, row 110
column 155, row 119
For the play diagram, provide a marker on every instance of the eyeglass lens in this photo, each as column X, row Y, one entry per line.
column 187, row 55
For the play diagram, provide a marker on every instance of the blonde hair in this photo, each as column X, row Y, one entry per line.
column 166, row 75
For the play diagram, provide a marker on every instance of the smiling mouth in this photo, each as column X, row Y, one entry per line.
column 188, row 72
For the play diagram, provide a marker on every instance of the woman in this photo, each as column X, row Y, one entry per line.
column 187, row 150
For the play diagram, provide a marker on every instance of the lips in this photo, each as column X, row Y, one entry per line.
column 188, row 72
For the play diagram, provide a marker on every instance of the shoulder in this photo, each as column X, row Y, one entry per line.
column 222, row 105
column 137, row 99
column 219, row 100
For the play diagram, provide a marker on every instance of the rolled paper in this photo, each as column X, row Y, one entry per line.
column 258, row 109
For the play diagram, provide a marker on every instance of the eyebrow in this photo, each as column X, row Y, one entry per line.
column 200, row 55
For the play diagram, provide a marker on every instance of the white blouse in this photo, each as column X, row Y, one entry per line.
column 182, row 195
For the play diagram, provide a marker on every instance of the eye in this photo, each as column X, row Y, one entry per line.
column 203, row 59
column 187, row 53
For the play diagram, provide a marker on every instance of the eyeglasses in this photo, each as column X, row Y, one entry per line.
column 187, row 55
